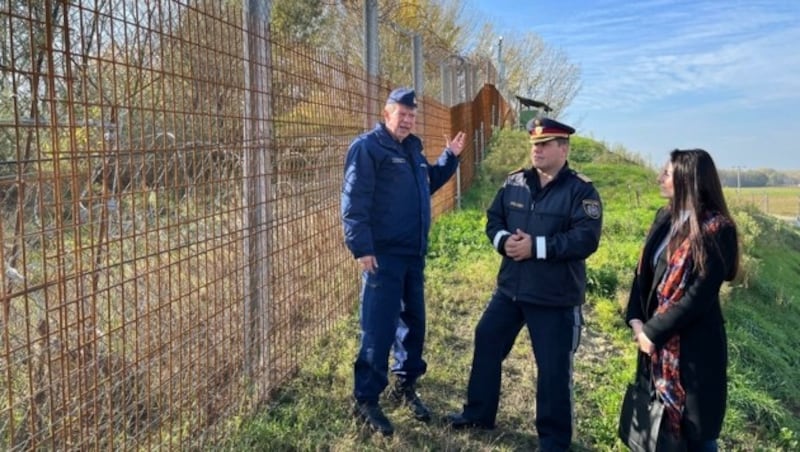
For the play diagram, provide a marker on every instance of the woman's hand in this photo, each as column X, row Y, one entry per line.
column 645, row 344
column 636, row 326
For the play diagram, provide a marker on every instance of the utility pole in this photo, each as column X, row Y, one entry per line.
column 500, row 66
column 738, row 178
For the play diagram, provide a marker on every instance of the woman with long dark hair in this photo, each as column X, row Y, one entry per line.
column 674, row 307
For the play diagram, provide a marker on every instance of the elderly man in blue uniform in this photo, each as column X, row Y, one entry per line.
column 386, row 213
column 545, row 221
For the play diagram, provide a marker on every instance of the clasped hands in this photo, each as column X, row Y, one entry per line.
column 519, row 245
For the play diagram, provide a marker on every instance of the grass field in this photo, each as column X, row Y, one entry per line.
column 782, row 202
column 312, row 412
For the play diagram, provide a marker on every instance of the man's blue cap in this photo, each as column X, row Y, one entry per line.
column 403, row 96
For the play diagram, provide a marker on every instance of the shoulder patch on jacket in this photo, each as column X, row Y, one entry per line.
column 515, row 178
column 582, row 177
column 592, row 208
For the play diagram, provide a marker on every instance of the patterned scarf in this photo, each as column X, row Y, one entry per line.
column 666, row 361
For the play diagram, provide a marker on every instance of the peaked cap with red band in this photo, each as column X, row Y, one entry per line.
column 546, row 129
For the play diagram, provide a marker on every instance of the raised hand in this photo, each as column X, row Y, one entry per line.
column 457, row 143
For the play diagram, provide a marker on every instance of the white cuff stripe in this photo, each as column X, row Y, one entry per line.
column 498, row 237
column 541, row 247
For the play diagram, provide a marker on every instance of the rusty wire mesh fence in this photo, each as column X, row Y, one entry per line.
column 127, row 209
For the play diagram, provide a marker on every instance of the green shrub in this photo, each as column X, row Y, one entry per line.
column 459, row 234
column 602, row 281
column 510, row 151
column 583, row 150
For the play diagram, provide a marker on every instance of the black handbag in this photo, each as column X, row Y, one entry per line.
column 641, row 418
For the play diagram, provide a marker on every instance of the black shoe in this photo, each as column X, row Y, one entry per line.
column 370, row 413
column 457, row 421
column 407, row 395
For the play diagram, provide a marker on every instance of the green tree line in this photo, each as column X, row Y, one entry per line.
column 762, row 177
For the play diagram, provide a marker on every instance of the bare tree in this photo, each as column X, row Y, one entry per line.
column 533, row 68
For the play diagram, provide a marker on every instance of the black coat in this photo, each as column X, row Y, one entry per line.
column 567, row 215
column 697, row 318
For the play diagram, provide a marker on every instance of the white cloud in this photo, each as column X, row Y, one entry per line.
column 660, row 74
column 633, row 55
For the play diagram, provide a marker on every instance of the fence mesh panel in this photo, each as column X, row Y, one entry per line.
column 125, row 216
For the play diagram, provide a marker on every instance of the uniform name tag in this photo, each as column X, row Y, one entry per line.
column 398, row 160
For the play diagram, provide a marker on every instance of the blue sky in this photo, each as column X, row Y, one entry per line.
column 663, row 74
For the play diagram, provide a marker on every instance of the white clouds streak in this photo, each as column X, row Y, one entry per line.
column 660, row 74
column 635, row 54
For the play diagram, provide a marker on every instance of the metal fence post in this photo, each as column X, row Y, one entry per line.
column 417, row 65
column 445, row 95
column 468, row 84
column 458, row 187
column 475, row 141
column 500, row 66
column 483, row 142
column 256, row 186
column 371, row 60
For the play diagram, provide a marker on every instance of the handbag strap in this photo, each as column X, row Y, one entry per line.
column 644, row 367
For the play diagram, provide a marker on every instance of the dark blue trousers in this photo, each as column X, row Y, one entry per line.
column 703, row 446
column 392, row 317
column 554, row 334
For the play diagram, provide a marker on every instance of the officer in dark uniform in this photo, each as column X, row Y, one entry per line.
column 545, row 221
column 386, row 213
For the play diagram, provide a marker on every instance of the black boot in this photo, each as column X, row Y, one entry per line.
column 406, row 393
column 457, row 421
column 370, row 413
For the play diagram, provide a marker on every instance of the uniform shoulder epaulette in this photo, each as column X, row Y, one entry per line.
column 582, row 177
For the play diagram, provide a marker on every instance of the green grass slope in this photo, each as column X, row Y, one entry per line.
column 762, row 309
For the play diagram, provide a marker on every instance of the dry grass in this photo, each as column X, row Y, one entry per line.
column 782, row 202
column 130, row 324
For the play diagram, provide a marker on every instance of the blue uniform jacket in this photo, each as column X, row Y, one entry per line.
column 565, row 216
column 386, row 194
